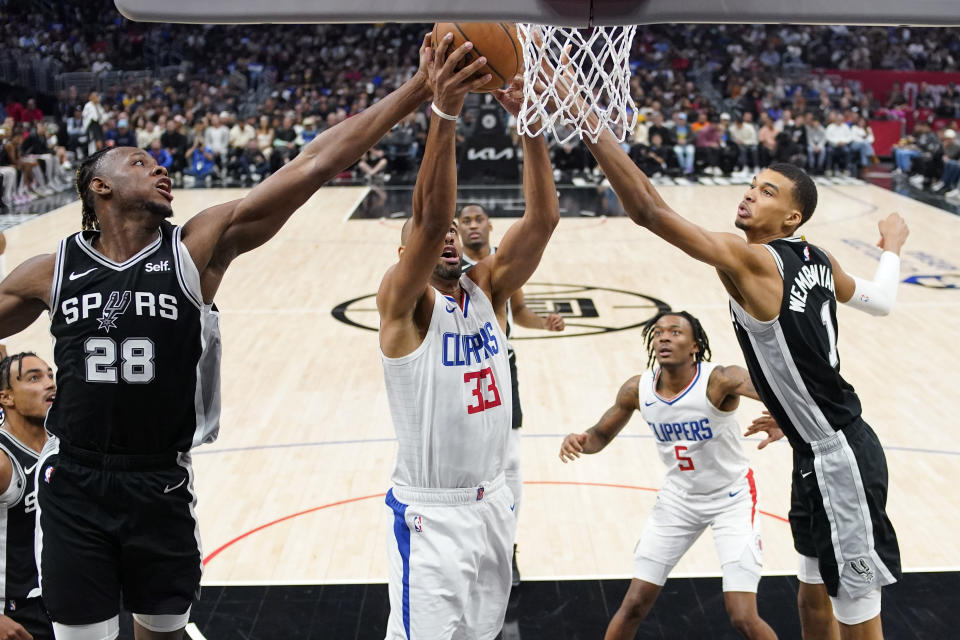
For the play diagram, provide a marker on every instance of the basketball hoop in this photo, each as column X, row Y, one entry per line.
column 576, row 82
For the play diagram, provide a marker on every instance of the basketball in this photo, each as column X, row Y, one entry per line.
column 497, row 41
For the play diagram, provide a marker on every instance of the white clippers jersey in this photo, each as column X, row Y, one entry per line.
column 450, row 399
column 699, row 444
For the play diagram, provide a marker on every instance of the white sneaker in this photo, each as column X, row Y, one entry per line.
column 916, row 180
column 937, row 185
column 952, row 194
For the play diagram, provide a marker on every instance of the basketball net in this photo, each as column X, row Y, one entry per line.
column 576, row 82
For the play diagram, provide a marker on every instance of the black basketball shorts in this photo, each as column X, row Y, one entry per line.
column 517, row 421
column 838, row 512
column 30, row 614
column 115, row 531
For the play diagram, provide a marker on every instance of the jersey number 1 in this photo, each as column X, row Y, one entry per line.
column 831, row 333
column 136, row 360
column 485, row 398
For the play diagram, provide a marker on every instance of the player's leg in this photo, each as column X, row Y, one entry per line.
column 636, row 604
column 856, row 544
column 76, row 548
column 489, row 594
column 736, row 535
column 813, row 603
column 671, row 530
column 162, row 559
column 511, row 470
column 432, row 553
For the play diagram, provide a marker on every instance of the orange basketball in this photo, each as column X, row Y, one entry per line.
column 497, row 41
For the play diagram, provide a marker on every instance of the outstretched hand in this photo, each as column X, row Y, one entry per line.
column 450, row 82
column 572, row 447
column 512, row 97
column 767, row 424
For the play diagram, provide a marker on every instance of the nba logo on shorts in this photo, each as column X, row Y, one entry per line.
column 47, row 474
column 479, row 494
column 418, row 524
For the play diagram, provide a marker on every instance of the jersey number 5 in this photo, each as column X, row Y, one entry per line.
column 485, row 398
column 686, row 462
column 136, row 360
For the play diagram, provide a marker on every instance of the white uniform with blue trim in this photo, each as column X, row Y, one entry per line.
column 451, row 522
column 708, row 483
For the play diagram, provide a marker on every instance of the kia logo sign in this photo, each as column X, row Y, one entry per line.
column 490, row 153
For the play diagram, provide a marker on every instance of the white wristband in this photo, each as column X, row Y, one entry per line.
column 445, row 116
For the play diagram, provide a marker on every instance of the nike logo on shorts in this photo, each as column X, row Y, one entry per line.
column 804, row 475
column 74, row 276
column 735, row 493
column 168, row 488
column 513, row 506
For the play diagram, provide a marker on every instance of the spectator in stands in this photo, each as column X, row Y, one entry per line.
column 147, row 131
column 76, row 135
column 683, row 142
column 31, row 113
column 927, row 164
column 372, row 164
column 28, row 186
column 707, row 144
column 8, row 172
column 243, row 132
column 950, row 180
column 767, row 137
column 816, row 146
column 309, row 131
column 861, row 146
column 94, row 117
column 175, row 142
column 35, row 147
column 285, row 146
column 159, row 154
column 122, row 136
column 839, row 137
column 216, row 137
column 743, row 133
column 200, row 161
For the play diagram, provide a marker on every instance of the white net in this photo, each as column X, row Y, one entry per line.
column 576, row 81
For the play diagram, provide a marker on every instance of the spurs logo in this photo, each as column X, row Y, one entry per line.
column 116, row 305
column 860, row 566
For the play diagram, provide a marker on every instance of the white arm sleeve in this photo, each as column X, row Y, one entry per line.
column 877, row 296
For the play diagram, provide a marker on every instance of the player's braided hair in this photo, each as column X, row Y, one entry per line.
column 699, row 335
column 85, row 173
column 6, row 367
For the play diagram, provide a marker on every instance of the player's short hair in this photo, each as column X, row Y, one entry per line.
column 6, row 367
column 804, row 189
column 699, row 335
column 471, row 204
column 86, row 172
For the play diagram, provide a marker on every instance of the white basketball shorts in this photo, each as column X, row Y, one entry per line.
column 676, row 522
column 449, row 552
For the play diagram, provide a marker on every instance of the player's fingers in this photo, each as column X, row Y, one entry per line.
column 763, row 444
column 470, row 70
column 477, row 83
column 455, row 58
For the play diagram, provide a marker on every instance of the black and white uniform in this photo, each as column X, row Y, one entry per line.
column 512, row 471
column 138, row 385
column 839, row 491
column 18, row 573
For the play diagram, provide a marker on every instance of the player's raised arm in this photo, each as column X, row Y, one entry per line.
column 220, row 233
column 613, row 421
column 520, row 251
column 876, row 296
column 25, row 294
column 434, row 201
column 643, row 204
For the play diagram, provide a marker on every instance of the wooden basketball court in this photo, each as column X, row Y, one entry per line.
column 292, row 490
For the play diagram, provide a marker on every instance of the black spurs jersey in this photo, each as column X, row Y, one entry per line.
column 793, row 358
column 18, row 505
column 137, row 351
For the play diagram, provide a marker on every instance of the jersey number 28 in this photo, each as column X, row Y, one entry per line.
column 136, row 360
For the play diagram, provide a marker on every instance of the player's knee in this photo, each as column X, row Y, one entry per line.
column 636, row 606
column 162, row 623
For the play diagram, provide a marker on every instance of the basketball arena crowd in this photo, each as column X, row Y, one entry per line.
column 229, row 104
